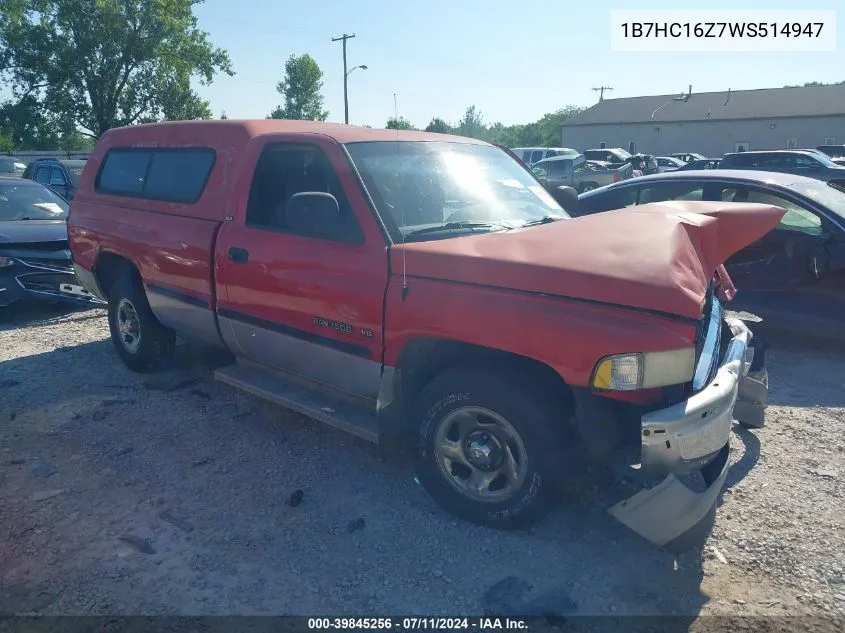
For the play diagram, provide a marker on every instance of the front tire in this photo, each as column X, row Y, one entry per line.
column 140, row 340
column 489, row 447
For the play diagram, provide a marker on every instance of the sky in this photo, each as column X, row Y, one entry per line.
column 514, row 60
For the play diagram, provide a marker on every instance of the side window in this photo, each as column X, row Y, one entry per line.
column 558, row 169
column 671, row 191
column 541, row 171
column 805, row 162
column 171, row 174
column 526, row 157
column 42, row 175
column 743, row 160
column 285, row 169
column 123, row 172
column 609, row 201
column 178, row 175
column 796, row 219
column 535, row 156
column 57, row 177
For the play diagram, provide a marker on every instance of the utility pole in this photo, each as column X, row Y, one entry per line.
column 343, row 38
column 601, row 90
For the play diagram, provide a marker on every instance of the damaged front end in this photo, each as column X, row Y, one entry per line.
column 687, row 443
column 40, row 271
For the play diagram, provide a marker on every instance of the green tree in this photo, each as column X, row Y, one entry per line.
column 549, row 126
column 26, row 126
column 301, row 89
column 438, row 125
column 109, row 63
column 6, row 144
column 399, row 124
column 472, row 123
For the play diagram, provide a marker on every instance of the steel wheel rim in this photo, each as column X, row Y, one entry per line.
column 128, row 326
column 481, row 455
column 588, row 188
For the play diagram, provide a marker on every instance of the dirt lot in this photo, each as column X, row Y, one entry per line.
column 169, row 494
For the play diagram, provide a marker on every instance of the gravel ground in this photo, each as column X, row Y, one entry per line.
column 175, row 494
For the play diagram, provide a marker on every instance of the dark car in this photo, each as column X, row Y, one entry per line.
column 62, row 176
column 703, row 163
column 11, row 166
column 794, row 277
column 35, row 262
column 810, row 163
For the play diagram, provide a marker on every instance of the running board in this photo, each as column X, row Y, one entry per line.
column 290, row 393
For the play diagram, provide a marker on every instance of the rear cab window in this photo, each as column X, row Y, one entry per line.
column 167, row 174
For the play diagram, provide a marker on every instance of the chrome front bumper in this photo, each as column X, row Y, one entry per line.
column 694, row 435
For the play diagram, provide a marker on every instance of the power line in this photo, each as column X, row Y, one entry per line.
column 343, row 39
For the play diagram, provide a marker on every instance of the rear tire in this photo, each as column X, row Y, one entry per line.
column 490, row 447
column 588, row 187
column 140, row 340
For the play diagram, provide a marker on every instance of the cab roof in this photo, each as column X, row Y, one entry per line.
column 249, row 128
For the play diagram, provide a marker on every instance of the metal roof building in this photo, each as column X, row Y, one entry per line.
column 713, row 123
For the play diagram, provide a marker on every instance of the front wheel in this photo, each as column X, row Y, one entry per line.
column 140, row 340
column 489, row 448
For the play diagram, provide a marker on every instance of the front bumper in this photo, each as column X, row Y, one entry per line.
column 29, row 278
column 694, row 436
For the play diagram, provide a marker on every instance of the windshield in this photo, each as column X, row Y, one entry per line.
column 621, row 153
column 436, row 190
column 826, row 195
column 30, row 202
column 824, row 159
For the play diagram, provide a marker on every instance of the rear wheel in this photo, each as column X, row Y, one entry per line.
column 140, row 340
column 589, row 186
column 489, row 447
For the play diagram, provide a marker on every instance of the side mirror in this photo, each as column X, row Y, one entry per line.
column 313, row 213
column 566, row 197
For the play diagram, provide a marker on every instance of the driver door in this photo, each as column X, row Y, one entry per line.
column 794, row 275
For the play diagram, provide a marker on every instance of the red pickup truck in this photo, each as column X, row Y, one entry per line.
column 426, row 288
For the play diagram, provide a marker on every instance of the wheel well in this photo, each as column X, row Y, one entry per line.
column 109, row 268
column 423, row 359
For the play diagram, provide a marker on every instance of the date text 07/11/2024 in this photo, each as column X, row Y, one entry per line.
column 418, row 624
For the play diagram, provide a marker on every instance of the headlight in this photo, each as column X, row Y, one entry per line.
column 6, row 261
column 629, row 372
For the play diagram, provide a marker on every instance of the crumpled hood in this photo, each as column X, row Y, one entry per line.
column 658, row 256
column 32, row 231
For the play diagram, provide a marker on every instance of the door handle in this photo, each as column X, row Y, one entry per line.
column 238, row 255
